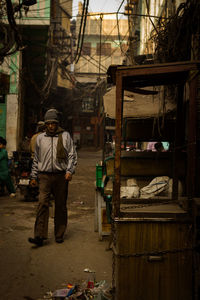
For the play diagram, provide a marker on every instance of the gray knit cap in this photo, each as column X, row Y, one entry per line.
column 51, row 116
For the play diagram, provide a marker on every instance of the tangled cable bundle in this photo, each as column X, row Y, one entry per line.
column 173, row 39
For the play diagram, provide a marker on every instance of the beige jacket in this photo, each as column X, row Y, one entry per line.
column 32, row 144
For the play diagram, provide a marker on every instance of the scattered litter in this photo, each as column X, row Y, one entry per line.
column 69, row 286
column 88, row 271
column 96, row 291
column 62, row 293
column 48, row 295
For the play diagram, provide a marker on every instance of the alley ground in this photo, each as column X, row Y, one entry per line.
column 28, row 272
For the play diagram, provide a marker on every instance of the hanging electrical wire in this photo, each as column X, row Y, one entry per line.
column 92, row 57
column 119, row 38
column 49, row 80
column 169, row 43
column 10, row 47
column 81, row 30
column 95, row 63
column 103, row 43
column 3, row 12
column 115, row 50
column 148, row 11
column 12, row 23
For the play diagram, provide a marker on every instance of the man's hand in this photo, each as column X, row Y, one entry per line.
column 33, row 182
column 68, row 176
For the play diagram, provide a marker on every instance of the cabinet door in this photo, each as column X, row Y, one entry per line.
column 164, row 276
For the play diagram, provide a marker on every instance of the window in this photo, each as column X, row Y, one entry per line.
column 105, row 49
column 86, row 49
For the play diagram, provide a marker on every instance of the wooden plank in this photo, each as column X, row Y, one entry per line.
column 131, row 214
column 168, row 68
column 168, row 278
column 118, row 137
column 179, row 69
column 159, row 208
column 192, row 140
column 141, row 164
column 179, row 139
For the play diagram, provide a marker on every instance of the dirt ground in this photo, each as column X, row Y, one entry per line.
column 28, row 272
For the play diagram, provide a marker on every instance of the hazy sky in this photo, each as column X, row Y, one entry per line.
column 100, row 6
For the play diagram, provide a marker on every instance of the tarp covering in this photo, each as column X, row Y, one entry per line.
column 138, row 105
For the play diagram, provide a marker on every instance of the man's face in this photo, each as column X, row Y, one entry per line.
column 52, row 126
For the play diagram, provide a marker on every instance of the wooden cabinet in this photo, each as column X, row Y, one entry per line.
column 153, row 260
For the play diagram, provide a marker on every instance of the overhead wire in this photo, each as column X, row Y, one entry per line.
column 148, row 10
column 84, row 23
column 51, row 75
column 103, row 68
column 3, row 11
column 118, row 24
column 13, row 26
column 82, row 31
column 92, row 57
column 66, row 73
column 109, row 13
column 101, row 45
column 109, row 33
column 101, row 16
column 107, row 38
column 116, row 49
column 44, row 91
column 127, row 32
column 82, row 35
column 96, row 65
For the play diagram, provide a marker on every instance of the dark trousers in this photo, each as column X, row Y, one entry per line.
column 56, row 184
column 8, row 183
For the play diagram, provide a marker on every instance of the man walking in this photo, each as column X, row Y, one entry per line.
column 53, row 166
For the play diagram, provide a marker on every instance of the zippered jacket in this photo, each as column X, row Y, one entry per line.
column 45, row 159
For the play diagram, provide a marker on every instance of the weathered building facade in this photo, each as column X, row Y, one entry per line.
column 37, row 70
column 104, row 43
column 157, row 29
